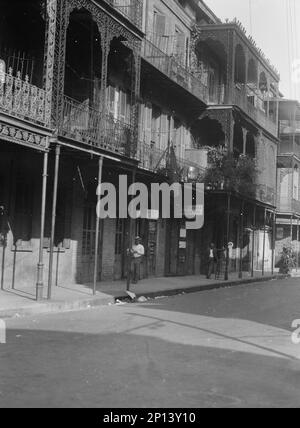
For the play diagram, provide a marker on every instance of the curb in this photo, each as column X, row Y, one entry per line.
column 55, row 307
column 65, row 306
column 208, row 287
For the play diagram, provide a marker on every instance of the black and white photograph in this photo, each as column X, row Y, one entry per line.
column 149, row 207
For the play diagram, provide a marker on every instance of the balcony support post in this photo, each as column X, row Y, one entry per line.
column 49, row 61
column 227, row 235
column 264, row 243
column 40, row 268
column 130, row 240
column 96, row 264
column 253, row 239
column 241, row 239
column 53, row 220
column 244, row 141
column 297, row 265
column 106, row 39
column 273, row 241
column 135, row 95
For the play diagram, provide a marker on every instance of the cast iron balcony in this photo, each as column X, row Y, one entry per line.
column 131, row 9
column 155, row 160
column 173, row 69
column 242, row 96
column 288, row 205
column 20, row 99
column 88, row 126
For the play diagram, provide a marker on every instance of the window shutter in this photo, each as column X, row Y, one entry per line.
column 159, row 24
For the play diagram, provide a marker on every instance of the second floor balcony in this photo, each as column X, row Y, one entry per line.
column 158, row 161
column 86, row 125
column 20, row 99
column 288, row 205
column 174, row 70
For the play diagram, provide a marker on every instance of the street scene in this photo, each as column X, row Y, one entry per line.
column 149, row 204
column 222, row 348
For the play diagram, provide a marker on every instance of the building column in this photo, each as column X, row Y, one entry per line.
column 40, row 269
column 53, row 220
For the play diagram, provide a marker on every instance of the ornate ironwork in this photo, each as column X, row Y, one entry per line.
column 21, row 99
column 174, row 70
column 89, row 126
column 132, row 10
column 16, row 134
column 51, row 22
column 108, row 29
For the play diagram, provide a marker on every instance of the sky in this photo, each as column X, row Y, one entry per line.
column 275, row 26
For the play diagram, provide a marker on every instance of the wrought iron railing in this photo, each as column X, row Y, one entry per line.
column 20, row 99
column 131, row 9
column 289, row 127
column 177, row 72
column 87, row 125
column 242, row 98
column 288, row 205
column 155, row 160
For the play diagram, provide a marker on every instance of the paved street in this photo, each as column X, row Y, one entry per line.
column 228, row 347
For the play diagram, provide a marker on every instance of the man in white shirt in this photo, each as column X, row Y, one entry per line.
column 137, row 252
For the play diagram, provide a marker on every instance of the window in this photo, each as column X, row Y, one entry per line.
column 118, row 104
column 159, row 37
column 179, row 49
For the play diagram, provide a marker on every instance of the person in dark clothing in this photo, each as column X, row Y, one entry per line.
column 212, row 260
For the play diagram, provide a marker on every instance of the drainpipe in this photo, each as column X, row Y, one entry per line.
column 100, row 165
column 53, row 221
column 40, row 269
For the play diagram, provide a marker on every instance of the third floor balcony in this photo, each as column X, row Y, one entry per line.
column 130, row 9
column 174, row 69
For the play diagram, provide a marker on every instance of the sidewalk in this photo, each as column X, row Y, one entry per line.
column 20, row 303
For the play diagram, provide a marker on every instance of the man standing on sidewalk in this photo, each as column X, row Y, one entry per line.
column 212, row 260
column 138, row 252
